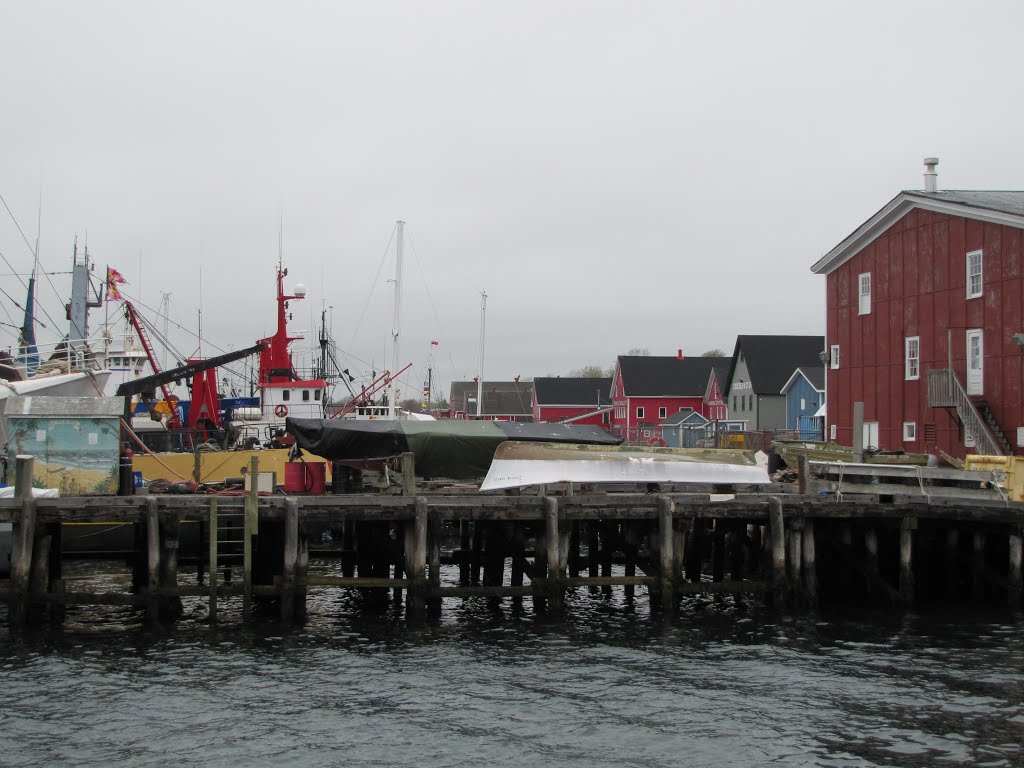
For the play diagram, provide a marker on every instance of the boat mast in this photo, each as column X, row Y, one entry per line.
column 396, row 324
column 480, row 376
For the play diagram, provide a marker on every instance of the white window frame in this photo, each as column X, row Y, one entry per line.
column 864, row 293
column 831, row 431
column 803, row 404
column 912, row 358
column 662, row 412
column 639, row 411
column 833, row 359
column 974, row 294
column 909, row 431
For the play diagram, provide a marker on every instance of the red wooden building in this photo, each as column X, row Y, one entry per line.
column 646, row 390
column 924, row 321
column 583, row 400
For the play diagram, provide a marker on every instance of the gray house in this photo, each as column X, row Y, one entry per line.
column 761, row 366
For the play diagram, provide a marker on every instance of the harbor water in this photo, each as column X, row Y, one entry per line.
column 609, row 684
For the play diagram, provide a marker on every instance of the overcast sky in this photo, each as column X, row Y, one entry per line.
column 613, row 175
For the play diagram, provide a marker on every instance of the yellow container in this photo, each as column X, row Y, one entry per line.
column 1009, row 472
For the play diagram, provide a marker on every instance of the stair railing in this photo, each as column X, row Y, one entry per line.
column 946, row 391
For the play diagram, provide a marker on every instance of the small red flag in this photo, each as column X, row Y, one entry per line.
column 434, row 343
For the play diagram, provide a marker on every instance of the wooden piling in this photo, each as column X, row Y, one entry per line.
column 170, row 605
column 795, row 546
column 809, row 565
column 465, row 542
column 666, row 570
column 417, row 574
column 213, row 559
column 290, row 557
column 555, row 588
column 408, row 474
column 152, row 520
column 249, row 529
column 23, row 538
column 803, row 474
column 434, row 532
column 906, row 585
column 1015, row 577
column 777, row 531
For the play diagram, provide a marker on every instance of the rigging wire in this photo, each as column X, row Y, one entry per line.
column 35, row 255
column 380, row 268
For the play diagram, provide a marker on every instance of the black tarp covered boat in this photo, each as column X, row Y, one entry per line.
column 453, row 448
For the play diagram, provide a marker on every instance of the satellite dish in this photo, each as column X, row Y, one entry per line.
column 300, row 290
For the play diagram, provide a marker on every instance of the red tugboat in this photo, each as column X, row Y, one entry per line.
column 282, row 392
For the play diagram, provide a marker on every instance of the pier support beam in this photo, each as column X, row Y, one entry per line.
column 555, row 580
column 152, row 523
column 907, row 526
column 777, row 532
column 666, row 571
column 809, row 564
column 1015, row 576
column 291, row 559
column 416, row 560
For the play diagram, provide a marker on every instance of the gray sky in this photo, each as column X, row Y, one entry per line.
column 614, row 175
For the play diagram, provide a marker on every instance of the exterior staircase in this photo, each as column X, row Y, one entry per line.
column 997, row 431
column 946, row 391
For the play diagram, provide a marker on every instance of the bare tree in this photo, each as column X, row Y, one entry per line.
column 716, row 352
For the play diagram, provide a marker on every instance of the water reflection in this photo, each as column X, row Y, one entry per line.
column 608, row 685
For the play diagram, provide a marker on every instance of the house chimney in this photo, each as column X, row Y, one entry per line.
column 931, row 178
column 679, row 354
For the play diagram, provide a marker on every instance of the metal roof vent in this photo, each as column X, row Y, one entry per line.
column 931, row 178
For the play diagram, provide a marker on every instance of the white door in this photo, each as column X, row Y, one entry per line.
column 871, row 435
column 975, row 363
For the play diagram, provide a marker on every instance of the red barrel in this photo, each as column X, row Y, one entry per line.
column 316, row 477
column 295, row 477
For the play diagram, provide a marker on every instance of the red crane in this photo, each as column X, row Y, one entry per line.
column 173, row 421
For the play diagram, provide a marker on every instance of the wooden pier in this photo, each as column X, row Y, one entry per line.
column 843, row 535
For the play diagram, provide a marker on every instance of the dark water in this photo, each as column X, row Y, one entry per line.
column 607, row 686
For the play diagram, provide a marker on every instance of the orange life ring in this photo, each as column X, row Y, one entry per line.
column 281, row 411
column 658, row 441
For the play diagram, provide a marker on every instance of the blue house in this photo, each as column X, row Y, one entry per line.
column 805, row 397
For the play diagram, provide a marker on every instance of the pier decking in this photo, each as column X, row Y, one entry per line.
column 867, row 538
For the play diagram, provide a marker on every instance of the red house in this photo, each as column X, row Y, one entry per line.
column 646, row 390
column 581, row 400
column 924, row 321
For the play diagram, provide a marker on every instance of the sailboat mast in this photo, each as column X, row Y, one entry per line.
column 480, row 377
column 396, row 324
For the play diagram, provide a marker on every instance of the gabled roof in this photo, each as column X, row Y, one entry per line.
column 685, row 416
column 572, row 391
column 771, row 360
column 504, row 398
column 648, row 376
column 815, row 376
column 721, row 370
column 996, row 206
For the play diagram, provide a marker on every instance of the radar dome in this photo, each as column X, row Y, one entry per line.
column 300, row 289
